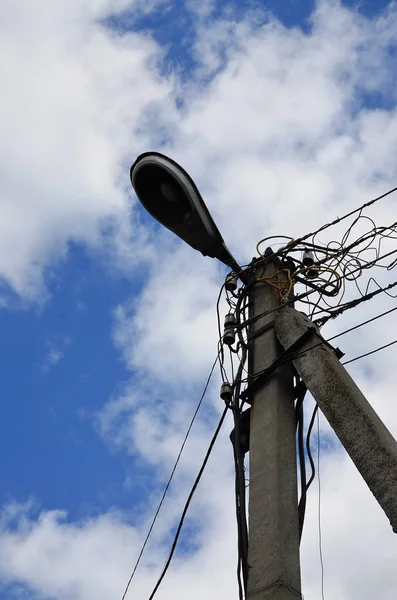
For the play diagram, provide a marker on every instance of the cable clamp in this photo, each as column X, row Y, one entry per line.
column 337, row 351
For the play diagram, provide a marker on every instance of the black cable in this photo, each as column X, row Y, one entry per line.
column 308, row 449
column 348, row 259
column 299, row 414
column 354, row 303
column 320, row 545
column 289, row 355
column 299, row 353
column 192, row 491
column 240, row 500
column 362, row 324
column 170, row 477
column 371, row 234
column 369, row 353
column 336, row 312
column 334, row 222
column 240, row 548
column 360, row 268
column 301, row 453
column 240, row 586
column 345, row 251
column 339, row 219
column 242, row 528
column 220, row 346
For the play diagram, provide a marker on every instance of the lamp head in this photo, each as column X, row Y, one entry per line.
column 170, row 195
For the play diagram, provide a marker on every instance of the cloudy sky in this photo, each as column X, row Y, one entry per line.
column 284, row 112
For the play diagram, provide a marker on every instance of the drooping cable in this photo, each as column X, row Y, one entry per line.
column 301, row 453
column 170, row 478
column 236, row 301
column 240, row 488
column 221, row 353
column 242, row 528
column 320, row 538
column 358, row 300
column 308, row 447
column 324, row 270
column 191, row 494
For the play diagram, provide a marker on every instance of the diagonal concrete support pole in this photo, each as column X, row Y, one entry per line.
column 364, row 436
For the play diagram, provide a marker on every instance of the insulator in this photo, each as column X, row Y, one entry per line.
column 308, row 261
column 226, row 391
column 231, row 283
column 228, row 337
column 308, row 258
column 230, row 320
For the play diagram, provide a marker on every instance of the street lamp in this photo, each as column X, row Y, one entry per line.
column 170, row 195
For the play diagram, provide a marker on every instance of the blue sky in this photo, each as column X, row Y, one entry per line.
column 108, row 323
column 58, row 456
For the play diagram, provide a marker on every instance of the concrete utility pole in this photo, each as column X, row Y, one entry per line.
column 273, row 551
column 170, row 195
column 364, row 436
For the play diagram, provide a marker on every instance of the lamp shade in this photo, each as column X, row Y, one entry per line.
column 170, row 195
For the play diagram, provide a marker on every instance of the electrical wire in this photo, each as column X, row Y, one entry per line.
column 237, row 306
column 170, row 477
column 369, row 353
column 372, row 263
column 354, row 303
column 292, row 245
column 332, row 314
column 320, row 544
column 340, row 219
column 239, row 459
column 301, row 453
column 326, row 268
column 220, row 345
column 191, row 494
column 335, row 264
column 240, row 488
column 271, row 237
column 242, row 528
column 387, row 312
column 308, row 447
column 325, row 278
column 289, row 356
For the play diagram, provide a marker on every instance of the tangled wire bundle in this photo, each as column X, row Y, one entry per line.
column 323, row 270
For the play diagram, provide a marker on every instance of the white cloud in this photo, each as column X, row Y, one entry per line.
column 57, row 346
column 277, row 143
column 169, row 329
column 95, row 557
column 53, row 357
column 273, row 132
column 75, row 100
